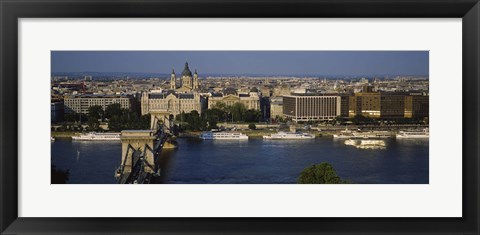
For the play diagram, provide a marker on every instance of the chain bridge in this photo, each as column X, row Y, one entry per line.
column 141, row 150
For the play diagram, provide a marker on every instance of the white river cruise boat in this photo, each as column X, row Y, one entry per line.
column 94, row 136
column 289, row 136
column 347, row 134
column 424, row 134
column 220, row 135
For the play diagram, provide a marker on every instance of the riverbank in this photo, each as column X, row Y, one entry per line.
column 62, row 134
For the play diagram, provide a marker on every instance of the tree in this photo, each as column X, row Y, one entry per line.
column 145, row 122
column 237, row 111
column 252, row 115
column 114, row 123
column 114, row 109
column 58, row 176
column 322, row 173
column 95, row 111
column 252, row 126
column 93, row 123
column 360, row 119
column 221, row 106
column 70, row 117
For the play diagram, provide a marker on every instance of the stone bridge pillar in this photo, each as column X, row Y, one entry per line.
column 137, row 139
column 160, row 115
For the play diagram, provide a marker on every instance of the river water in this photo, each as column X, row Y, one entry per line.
column 253, row 161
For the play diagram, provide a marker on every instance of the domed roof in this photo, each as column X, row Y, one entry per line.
column 186, row 71
column 254, row 89
column 230, row 91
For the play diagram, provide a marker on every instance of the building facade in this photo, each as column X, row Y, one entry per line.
column 390, row 105
column 81, row 103
column 183, row 98
column 175, row 103
column 57, row 111
column 311, row 108
column 416, row 105
column 250, row 100
column 276, row 109
column 365, row 103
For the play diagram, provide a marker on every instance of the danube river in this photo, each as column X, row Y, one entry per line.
column 253, row 161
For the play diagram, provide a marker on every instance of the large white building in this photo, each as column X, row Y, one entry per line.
column 311, row 108
column 81, row 103
column 250, row 100
column 175, row 103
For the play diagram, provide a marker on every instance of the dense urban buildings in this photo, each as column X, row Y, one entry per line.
column 298, row 99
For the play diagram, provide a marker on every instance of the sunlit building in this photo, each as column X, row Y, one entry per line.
column 311, row 108
column 81, row 103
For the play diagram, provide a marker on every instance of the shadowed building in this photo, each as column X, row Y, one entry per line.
column 276, row 108
column 416, row 105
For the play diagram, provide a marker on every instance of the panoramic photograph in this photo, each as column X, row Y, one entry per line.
column 239, row 117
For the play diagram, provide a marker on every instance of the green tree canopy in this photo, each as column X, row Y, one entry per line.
column 237, row 111
column 93, row 124
column 252, row 115
column 113, row 110
column 252, row 126
column 322, row 173
column 95, row 111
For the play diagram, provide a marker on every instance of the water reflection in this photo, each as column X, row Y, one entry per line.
column 255, row 161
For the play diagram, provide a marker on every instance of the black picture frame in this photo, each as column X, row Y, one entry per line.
column 11, row 11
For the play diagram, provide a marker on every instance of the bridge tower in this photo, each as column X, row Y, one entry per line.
column 137, row 142
column 163, row 116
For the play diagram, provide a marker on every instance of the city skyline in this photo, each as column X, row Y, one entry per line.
column 261, row 63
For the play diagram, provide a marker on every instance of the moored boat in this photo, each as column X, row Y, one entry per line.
column 347, row 134
column 289, row 136
column 222, row 135
column 94, row 136
column 413, row 134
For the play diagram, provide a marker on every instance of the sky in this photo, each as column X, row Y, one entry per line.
column 314, row 63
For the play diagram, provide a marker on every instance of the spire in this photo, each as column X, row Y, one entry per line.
column 173, row 71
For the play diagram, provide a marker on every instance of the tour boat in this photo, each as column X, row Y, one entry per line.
column 289, row 136
column 347, row 134
column 94, row 136
column 220, row 135
column 424, row 134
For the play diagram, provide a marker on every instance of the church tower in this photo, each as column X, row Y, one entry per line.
column 173, row 80
column 195, row 80
column 187, row 77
